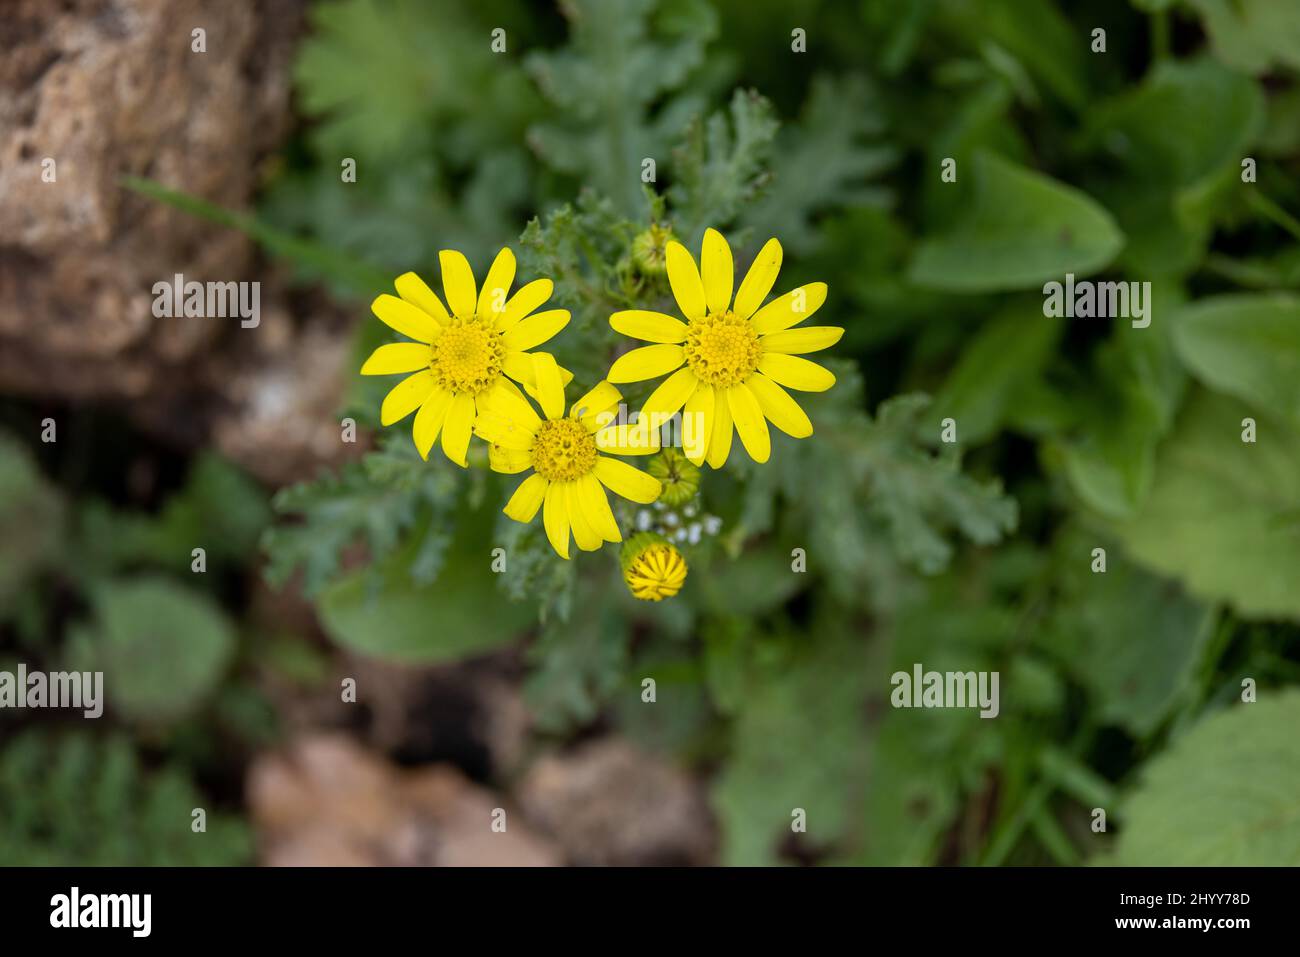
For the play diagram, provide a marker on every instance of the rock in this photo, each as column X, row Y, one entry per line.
column 608, row 803
column 327, row 801
column 108, row 88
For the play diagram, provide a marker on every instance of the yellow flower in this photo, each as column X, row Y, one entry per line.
column 569, row 473
column 732, row 358
column 461, row 356
column 652, row 568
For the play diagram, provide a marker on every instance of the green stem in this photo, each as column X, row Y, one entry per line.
column 1005, row 840
column 1274, row 212
column 1160, row 36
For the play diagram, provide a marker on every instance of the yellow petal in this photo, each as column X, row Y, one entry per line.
column 415, row 291
column 458, row 283
column 397, row 357
column 536, row 329
column 750, row 423
column 457, row 429
column 650, row 326
column 647, row 362
column 584, row 534
column 428, row 421
column 405, row 318
column 508, row 461
column 628, row 439
column 788, row 310
column 759, row 280
column 505, row 399
column 783, row 411
column 595, row 506
column 520, row 367
column 669, row 397
column 720, row 434
column 719, row 272
column 496, row 287
column 556, row 519
column 795, row 341
column 685, row 281
column 524, row 301
column 405, row 397
column 503, row 431
column 796, row 373
column 622, row 479
column 592, row 408
column 697, row 420
column 528, row 497
column 550, row 390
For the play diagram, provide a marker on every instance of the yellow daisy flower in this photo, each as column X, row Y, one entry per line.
column 732, row 358
column 569, row 473
column 463, row 355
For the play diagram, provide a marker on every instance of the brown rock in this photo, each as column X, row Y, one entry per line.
column 329, row 802
column 608, row 803
column 108, row 88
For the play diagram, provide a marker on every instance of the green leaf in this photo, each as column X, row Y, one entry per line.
column 623, row 58
column 721, row 165
column 1225, row 794
column 581, row 662
column 31, row 522
column 1222, row 515
column 1167, row 157
column 1023, row 228
column 1123, row 409
column 380, row 611
column 798, row 742
column 87, row 801
column 1133, row 683
column 1008, row 352
column 1247, row 346
column 375, row 501
column 1252, row 35
column 163, row 647
column 824, row 161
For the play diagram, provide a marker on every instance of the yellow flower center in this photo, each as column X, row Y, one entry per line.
column 722, row 349
column 467, row 356
column 564, row 451
column 658, row 572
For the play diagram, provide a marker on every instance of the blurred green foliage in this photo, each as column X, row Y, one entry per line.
column 1122, row 688
column 91, row 586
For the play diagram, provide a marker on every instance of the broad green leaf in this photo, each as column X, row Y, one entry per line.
column 1225, row 794
column 1126, row 405
column 1247, row 346
column 383, row 612
column 1166, row 158
column 1131, row 638
column 1224, row 515
column 163, row 647
column 798, row 742
column 1023, row 229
